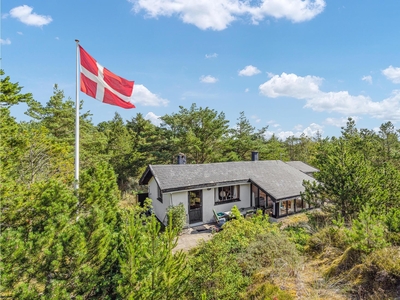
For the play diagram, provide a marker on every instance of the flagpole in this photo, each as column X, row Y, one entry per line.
column 77, row 119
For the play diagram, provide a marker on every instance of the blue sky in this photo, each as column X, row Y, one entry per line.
column 295, row 66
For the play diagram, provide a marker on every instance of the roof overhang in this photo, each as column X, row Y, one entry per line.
column 205, row 185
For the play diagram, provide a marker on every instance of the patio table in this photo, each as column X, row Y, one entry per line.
column 243, row 211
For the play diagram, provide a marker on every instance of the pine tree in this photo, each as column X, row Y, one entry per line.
column 148, row 267
column 243, row 139
column 197, row 132
column 58, row 116
column 41, row 245
column 368, row 231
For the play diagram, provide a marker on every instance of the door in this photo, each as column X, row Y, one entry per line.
column 195, row 206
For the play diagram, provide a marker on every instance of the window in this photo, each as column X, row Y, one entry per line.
column 299, row 204
column 195, row 199
column 283, row 208
column 228, row 194
column 159, row 195
column 269, row 203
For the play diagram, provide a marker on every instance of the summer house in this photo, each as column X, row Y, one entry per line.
column 273, row 186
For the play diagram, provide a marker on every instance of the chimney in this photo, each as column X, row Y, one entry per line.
column 181, row 159
column 254, row 155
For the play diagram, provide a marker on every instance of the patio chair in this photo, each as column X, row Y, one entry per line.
column 220, row 218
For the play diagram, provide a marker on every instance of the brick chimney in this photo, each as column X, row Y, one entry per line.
column 181, row 158
column 254, row 155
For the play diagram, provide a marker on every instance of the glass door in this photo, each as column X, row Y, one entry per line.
column 195, row 206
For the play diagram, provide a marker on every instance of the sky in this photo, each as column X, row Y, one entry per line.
column 296, row 66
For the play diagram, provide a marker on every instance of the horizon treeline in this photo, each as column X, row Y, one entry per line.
column 57, row 243
column 202, row 134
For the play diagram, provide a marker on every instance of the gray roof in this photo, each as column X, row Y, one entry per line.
column 299, row 165
column 275, row 177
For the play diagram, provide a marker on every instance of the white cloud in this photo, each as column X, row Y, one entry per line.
column 246, row 90
column 367, row 79
column 141, row 95
column 5, row 42
column 273, row 124
column 249, row 71
column 298, row 127
column 208, row 79
column 153, row 118
column 291, row 85
column 256, row 119
column 24, row 14
column 393, row 74
column 282, row 135
column 342, row 102
column 270, row 75
column 310, row 131
column 339, row 122
column 19, row 32
column 218, row 14
column 214, row 55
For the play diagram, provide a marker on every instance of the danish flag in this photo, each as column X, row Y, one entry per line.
column 103, row 85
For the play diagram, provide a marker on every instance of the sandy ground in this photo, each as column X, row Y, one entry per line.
column 191, row 237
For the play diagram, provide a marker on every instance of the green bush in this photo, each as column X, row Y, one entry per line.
column 271, row 250
column 345, row 262
column 215, row 270
column 318, row 219
column 378, row 276
column 327, row 237
column 392, row 220
column 236, row 213
column 386, row 259
column 367, row 231
column 267, row 291
column 299, row 236
column 177, row 215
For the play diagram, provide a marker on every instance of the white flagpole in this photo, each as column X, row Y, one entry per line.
column 77, row 119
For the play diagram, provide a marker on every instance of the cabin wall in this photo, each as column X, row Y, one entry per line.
column 160, row 209
column 180, row 197
column 208, row 198
column 209, row 202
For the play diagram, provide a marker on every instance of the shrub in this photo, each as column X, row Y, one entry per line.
column 392, row 220
column 328, row 237
column 386, row 259
column 270, row 250
column 216, row 271
column 236, row 213
column 346, row 261
column 318, row 219
column 177, row 215
column 267, row 291
column 368, row 231
column 299, row 236
column 378, row 276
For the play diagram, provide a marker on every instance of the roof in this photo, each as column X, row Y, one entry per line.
column 278, row 179
column 303, row 167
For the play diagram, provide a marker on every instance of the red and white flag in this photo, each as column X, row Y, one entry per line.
column 103, row 85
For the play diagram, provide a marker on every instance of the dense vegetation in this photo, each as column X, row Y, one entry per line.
column 98, row 244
